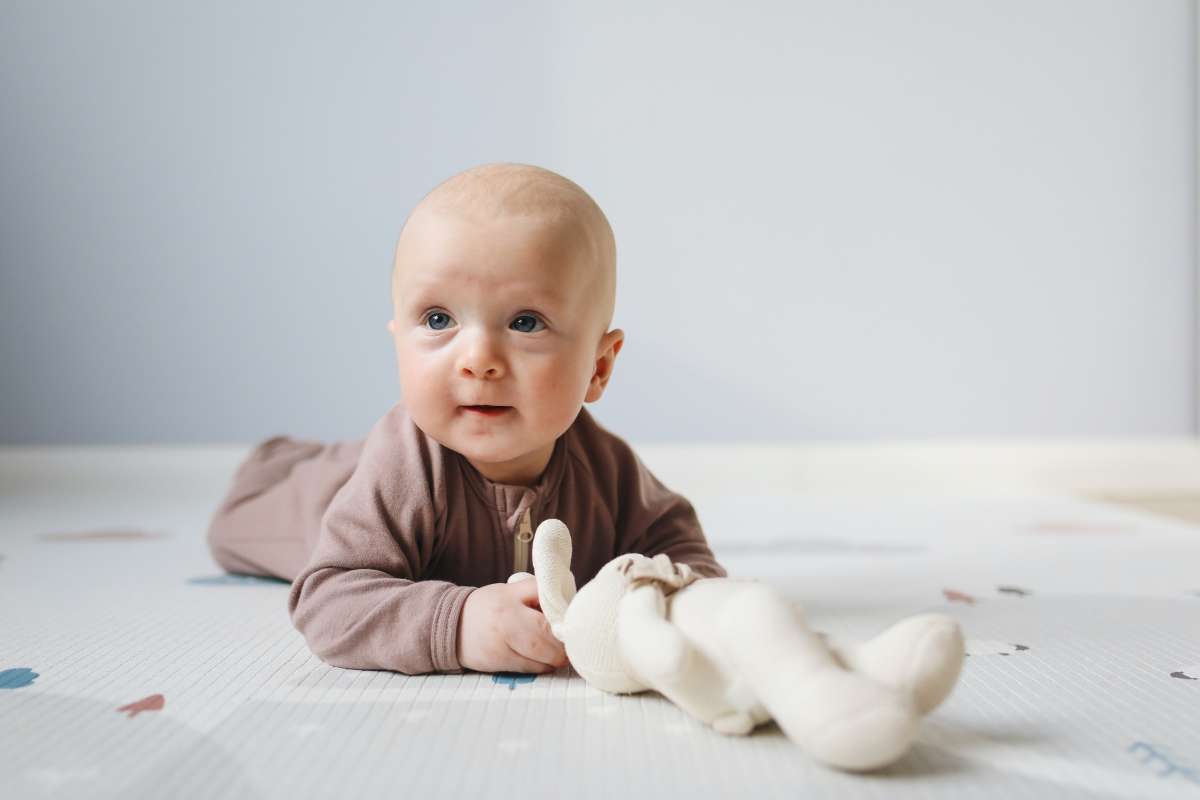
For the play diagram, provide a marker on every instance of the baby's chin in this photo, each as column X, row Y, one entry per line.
column 493, row 453
column 505, row 456
column 501, row 441
column 487, row 441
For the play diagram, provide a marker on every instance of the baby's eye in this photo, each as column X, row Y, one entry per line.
column 523, row 329
column 436, row 317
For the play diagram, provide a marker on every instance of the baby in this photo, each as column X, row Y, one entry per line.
column 398, row 547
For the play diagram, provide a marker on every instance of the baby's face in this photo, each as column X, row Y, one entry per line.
column 497, row 313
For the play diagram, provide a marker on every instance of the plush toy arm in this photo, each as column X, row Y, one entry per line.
column 659, row 655
column 552, row 564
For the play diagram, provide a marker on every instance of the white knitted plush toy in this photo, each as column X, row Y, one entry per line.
column 735, row 653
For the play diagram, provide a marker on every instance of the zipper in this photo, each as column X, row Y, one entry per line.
column 521, row 542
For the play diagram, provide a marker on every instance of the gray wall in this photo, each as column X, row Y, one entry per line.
column 835, row 220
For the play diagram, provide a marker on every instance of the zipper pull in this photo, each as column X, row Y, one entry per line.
column 521, row 543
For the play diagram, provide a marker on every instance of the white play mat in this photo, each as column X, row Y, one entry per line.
column 131, row 666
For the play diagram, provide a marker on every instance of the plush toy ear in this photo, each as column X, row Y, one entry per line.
column 552, row 568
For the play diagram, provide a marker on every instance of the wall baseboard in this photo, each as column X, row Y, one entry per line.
column 1163, row 466
column 1160, row 475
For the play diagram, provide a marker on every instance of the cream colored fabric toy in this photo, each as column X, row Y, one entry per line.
column 734, row 654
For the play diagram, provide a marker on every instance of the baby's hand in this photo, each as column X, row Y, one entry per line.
column 502, row 629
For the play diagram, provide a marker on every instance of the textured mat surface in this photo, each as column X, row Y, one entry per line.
column 130, row 666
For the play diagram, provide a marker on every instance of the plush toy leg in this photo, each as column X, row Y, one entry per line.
column 841, row 718
column 659, row 656
column 735, row 723
column 922, row 654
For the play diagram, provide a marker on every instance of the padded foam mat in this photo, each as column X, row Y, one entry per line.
column 131, row 666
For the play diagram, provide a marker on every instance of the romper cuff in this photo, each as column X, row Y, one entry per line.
column 443, row 643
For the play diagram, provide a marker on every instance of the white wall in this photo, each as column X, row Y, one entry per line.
column 835, row 220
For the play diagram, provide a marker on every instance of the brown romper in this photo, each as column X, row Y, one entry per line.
column 384, row 538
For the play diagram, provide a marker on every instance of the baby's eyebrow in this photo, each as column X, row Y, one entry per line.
column 426, row 295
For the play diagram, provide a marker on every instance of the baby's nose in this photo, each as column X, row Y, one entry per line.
column 481, row 358
column 481, row 372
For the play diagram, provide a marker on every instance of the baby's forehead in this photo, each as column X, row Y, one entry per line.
column 560, row 224
column 556, row 242
column 510, row 255
column 541, row 228
column 501, row 291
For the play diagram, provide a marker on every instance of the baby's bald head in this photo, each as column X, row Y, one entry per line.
column 493, row 191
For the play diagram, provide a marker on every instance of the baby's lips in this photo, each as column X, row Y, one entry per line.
column 490, row 411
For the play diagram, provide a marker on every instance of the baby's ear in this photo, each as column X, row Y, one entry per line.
column 552, row 568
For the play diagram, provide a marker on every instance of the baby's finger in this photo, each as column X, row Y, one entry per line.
column 519, row 663
column 555, row 648
column 534, row 639
column 526, row 592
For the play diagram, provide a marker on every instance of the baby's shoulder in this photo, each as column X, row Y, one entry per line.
column 607, row 456
column 398, row 454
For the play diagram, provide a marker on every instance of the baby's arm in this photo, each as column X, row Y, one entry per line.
column 415, row 627
column 364, row 615
column 359, row 601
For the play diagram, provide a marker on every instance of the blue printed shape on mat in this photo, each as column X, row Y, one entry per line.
column 513, row 678
column 236, row 579
column 1158, row 756
column 17, row 677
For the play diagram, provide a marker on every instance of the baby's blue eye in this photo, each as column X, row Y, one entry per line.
column 434, row 316
column 528, row 317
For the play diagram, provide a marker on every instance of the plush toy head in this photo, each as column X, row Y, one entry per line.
column 585, row 621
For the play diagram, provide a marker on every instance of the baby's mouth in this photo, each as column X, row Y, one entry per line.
column 488, row 411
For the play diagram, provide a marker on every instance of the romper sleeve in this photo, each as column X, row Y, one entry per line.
column 359, row 601
column 653, row 519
